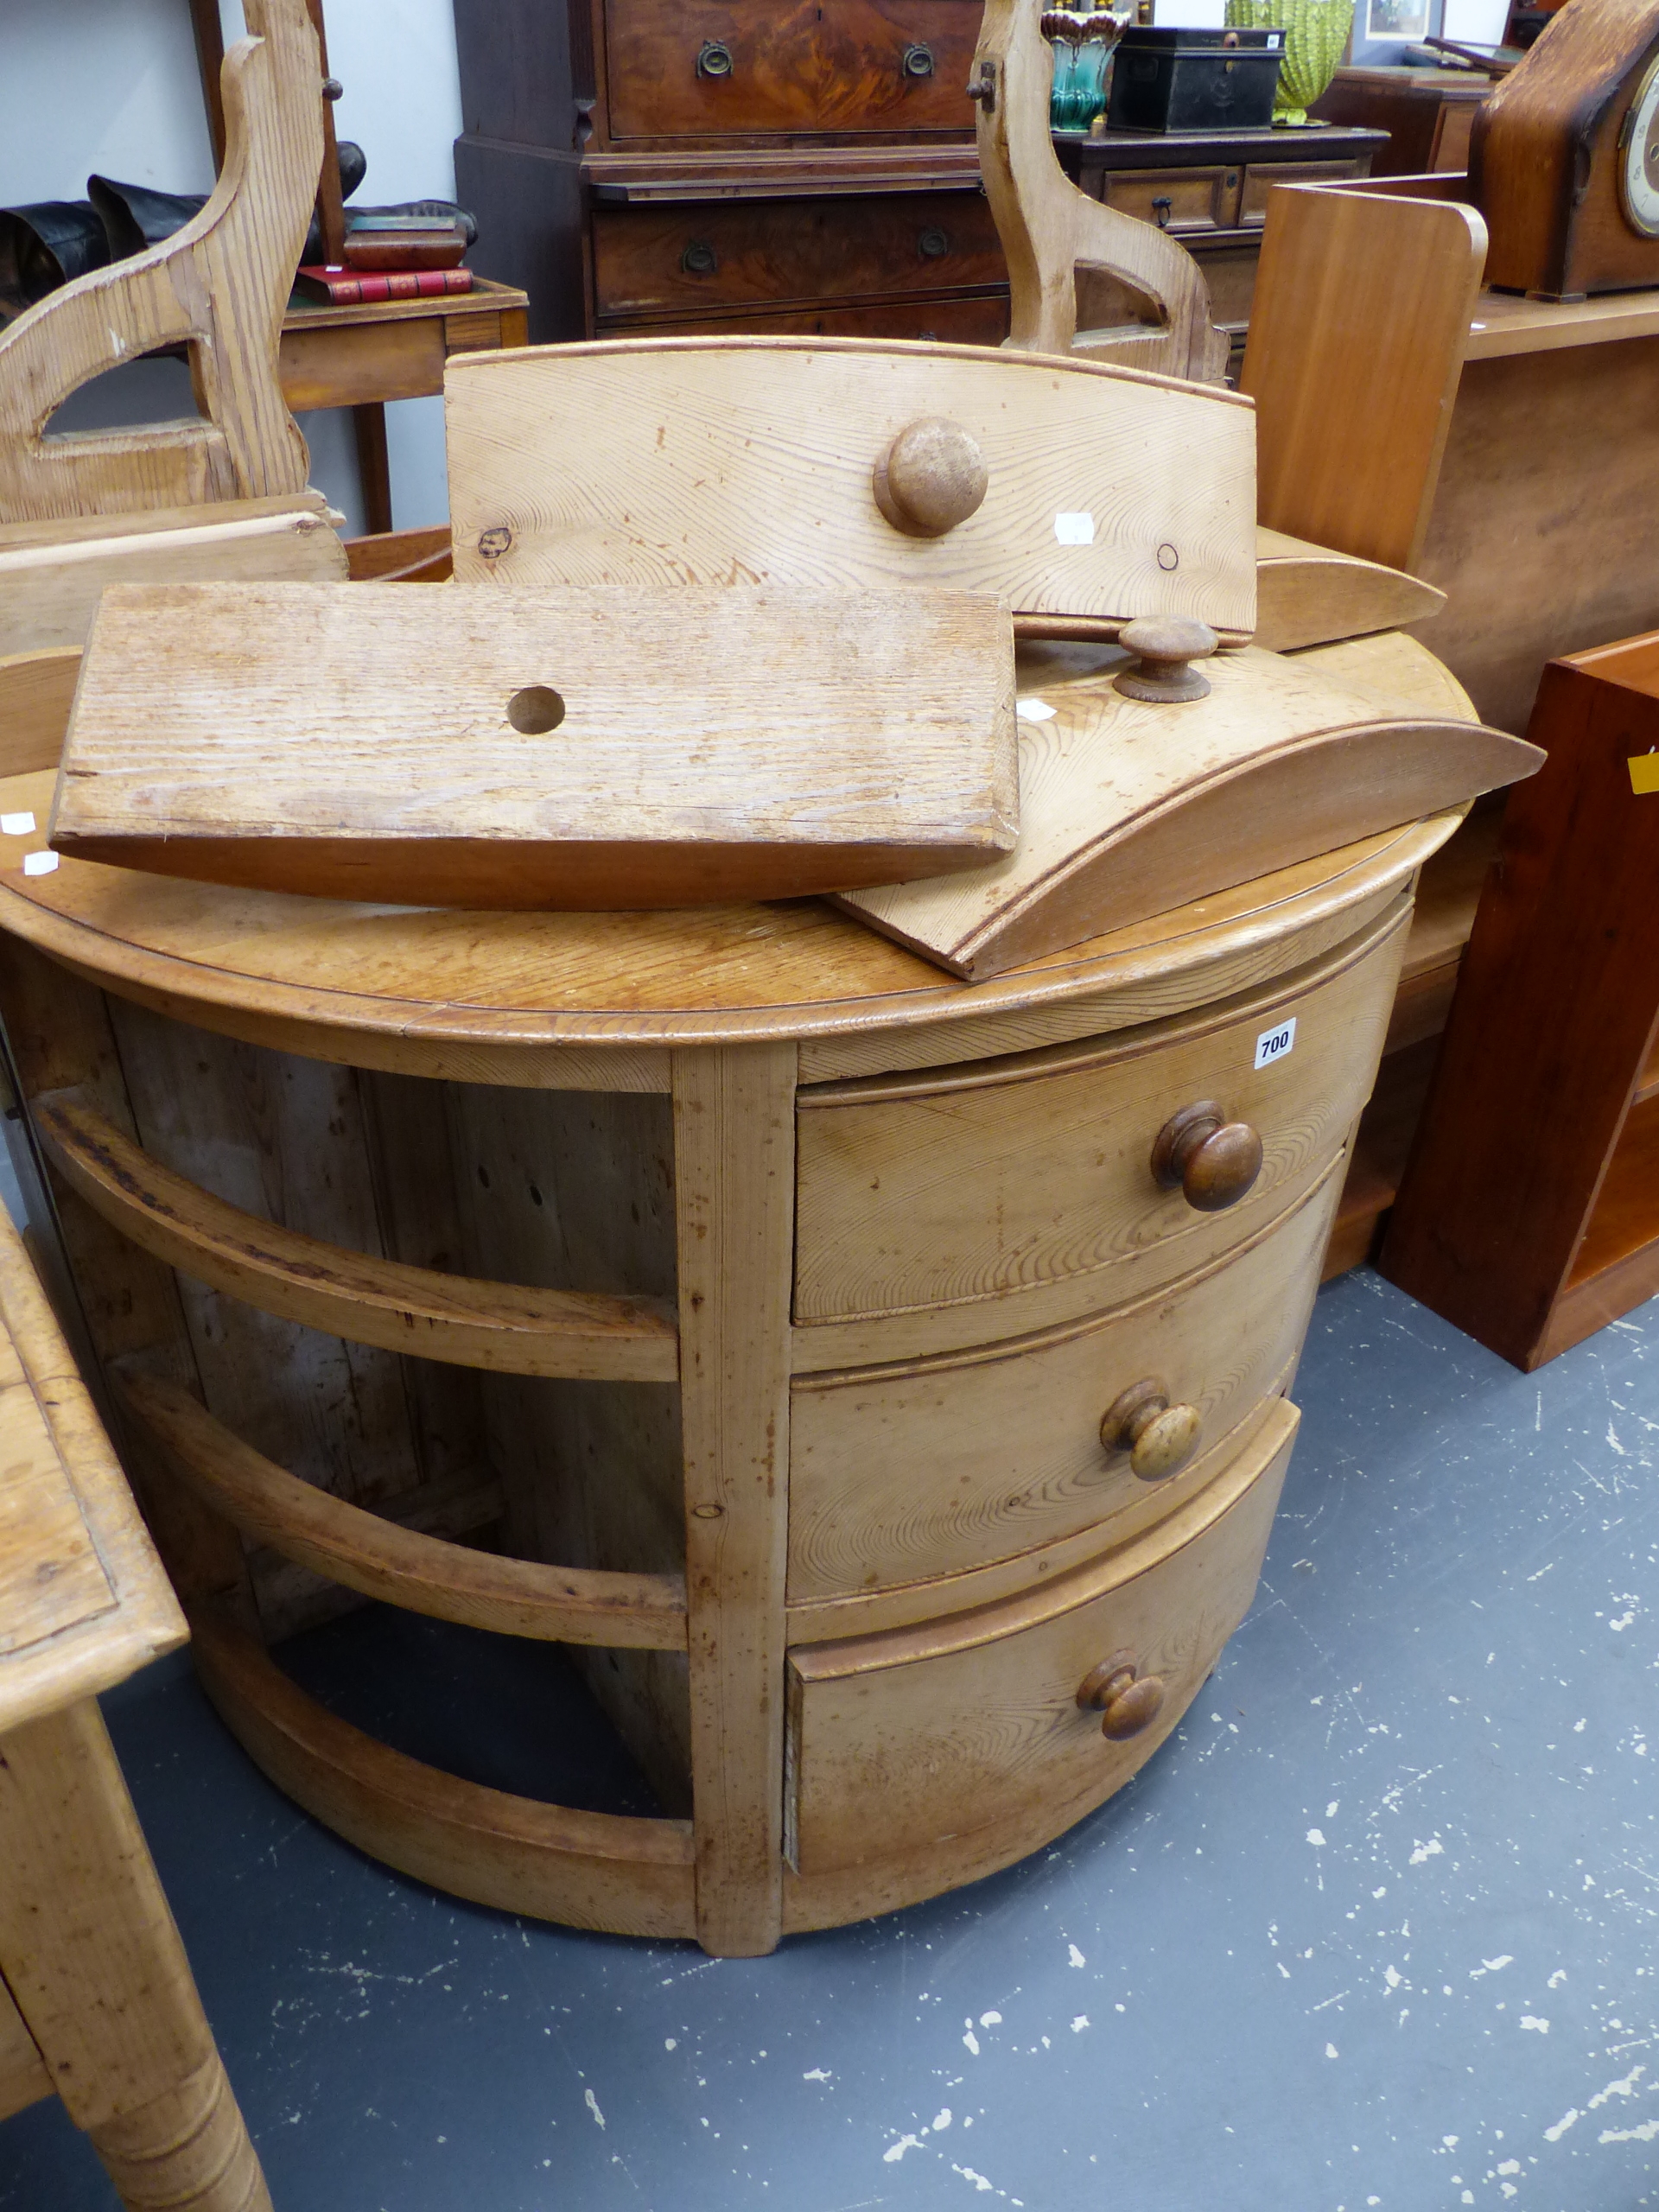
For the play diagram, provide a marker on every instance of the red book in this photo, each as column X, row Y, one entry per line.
column 346, row 288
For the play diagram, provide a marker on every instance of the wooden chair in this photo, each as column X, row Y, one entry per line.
column 1070, row 259
column 222, row 494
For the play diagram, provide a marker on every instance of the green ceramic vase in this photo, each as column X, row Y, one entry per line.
column 1315, row 33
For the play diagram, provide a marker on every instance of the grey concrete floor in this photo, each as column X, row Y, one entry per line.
column 1376, row 1929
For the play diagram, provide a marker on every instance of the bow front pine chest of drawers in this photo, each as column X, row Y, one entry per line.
column 878, row 1383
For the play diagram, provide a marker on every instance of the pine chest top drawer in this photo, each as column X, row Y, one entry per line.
column 974, row 1739
column 937, row 1468
column 1030, row 1180
column 692, row 260
column 726, row 67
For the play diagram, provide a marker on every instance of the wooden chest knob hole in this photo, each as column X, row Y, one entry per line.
column 534, row 710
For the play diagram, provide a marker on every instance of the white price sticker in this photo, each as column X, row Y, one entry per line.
column 39, row 863
column 1275, row 1043
column 1035, row 710
column 17, row 825
column 1074, row 529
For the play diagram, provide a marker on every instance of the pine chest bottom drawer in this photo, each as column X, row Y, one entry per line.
column 931, row 1755
column 903, row 1476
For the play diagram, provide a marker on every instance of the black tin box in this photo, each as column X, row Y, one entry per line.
column 1194, row 80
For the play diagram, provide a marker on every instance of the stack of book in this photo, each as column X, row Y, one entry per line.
column 389, row 258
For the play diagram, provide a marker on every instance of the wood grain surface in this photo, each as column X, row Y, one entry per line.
column 51, row 576
column 503, row 998
column 947, row 1188
column 519, row 1330
column 1362, row 311
column 1309, row 595
column 1128, row 808
column 382, row 1559
column 588, row 1869
column 926, row 1734
column 563, row 748
column 733, row 1175
column 667, row 462
column 1001, row 1448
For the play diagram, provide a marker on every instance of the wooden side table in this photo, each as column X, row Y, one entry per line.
column 97, row 2002
column 362, row 357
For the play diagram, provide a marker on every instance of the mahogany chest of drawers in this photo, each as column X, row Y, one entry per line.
column 638, row 167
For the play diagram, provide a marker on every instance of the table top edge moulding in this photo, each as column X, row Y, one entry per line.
column 212, row 954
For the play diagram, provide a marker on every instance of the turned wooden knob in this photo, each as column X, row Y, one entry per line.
column 931, row 478
column 1159, row 1438
column 1215, row 1161
column 1126, row 1700
column 1167, row 646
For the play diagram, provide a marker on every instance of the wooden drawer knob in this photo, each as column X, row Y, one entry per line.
column 1126, row 1700
column 1214, row 1161
column 1159, row 1438
column 931, row 478
column 1167, row 646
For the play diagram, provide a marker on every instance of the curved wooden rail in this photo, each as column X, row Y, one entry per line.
column 425, row 1574
column 581, row 1336
column 629, row 1877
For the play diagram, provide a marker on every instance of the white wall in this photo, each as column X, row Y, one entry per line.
column 110, row 87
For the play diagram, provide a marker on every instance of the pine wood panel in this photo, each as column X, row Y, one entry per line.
column 36, row 691
column 1128, row 807
column 586, row 1870
column 382, row 1302
column 23, row 2077
column 284, row 1139
column 1000, row 1451
column 558, row 446
column 571, row 1189
column 1308, row 595
column 1361, row 313
column 734, row 1190
column 923, row 1736
column 369, row 742
column 381, row 1559
column 50, row 585
column 965, row 1186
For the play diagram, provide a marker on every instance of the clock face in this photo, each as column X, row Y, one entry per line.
column 1638, row 175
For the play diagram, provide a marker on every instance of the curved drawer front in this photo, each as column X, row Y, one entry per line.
column 901, row 1475
column 1010, row 1176
column 899, row 1741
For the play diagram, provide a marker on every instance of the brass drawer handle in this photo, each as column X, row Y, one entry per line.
column 931, row 478
column 917, row 61
column 933, row 244
column 1213, row 1161
column 714, row 60
column 1127, row 1700
column 1159, row 1438
column 699, row 259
